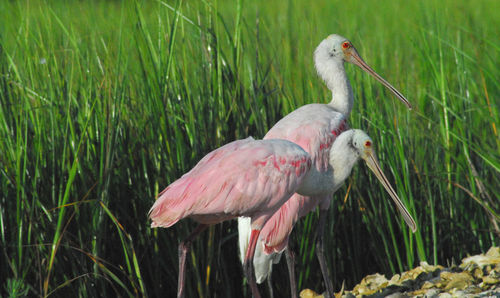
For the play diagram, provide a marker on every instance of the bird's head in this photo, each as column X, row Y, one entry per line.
column 363, row 145
column 334, row 47
column 337, row 49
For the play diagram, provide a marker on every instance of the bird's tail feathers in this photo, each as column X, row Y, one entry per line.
column 244, row 231
column 171, row 205
column 262, row 261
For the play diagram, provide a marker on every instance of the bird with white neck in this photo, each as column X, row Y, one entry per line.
column 315, row 127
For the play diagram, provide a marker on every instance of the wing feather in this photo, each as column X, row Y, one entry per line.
column 278, row 228
column 243, row 178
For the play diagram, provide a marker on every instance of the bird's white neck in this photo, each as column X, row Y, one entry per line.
column 335, row 77
column 342, row 158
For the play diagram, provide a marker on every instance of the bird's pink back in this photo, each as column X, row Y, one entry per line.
column 243, row 178
column 314, row 127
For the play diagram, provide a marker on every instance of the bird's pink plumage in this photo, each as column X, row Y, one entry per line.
column 243, row 178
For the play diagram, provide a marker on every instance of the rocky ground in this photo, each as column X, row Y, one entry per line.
column 477, row 276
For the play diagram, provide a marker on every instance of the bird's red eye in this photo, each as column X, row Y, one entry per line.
column 346, row 45
column 368, row 143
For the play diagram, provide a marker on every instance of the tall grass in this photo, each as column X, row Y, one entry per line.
column 102, row 104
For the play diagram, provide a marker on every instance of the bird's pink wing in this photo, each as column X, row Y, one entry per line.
column 314, row 127
column 274, row 235
column 242, row 178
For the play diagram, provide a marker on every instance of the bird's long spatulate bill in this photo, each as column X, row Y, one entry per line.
column 371, row 161
column 357, row 60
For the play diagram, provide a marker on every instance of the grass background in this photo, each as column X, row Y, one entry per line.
column 104, row 103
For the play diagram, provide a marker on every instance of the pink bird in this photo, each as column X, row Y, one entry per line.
column 311, row 127
column 251, row 178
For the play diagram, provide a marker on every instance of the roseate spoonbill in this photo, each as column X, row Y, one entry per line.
column 347, row 149
column 248, row 177
column 310, row 126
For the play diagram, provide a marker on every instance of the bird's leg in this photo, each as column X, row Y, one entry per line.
column 270, row 286
column 248, row 264
column 184, row 247
column 290, row 262
column 321, row 254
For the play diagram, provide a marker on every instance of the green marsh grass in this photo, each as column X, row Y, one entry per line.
column 104, row 103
